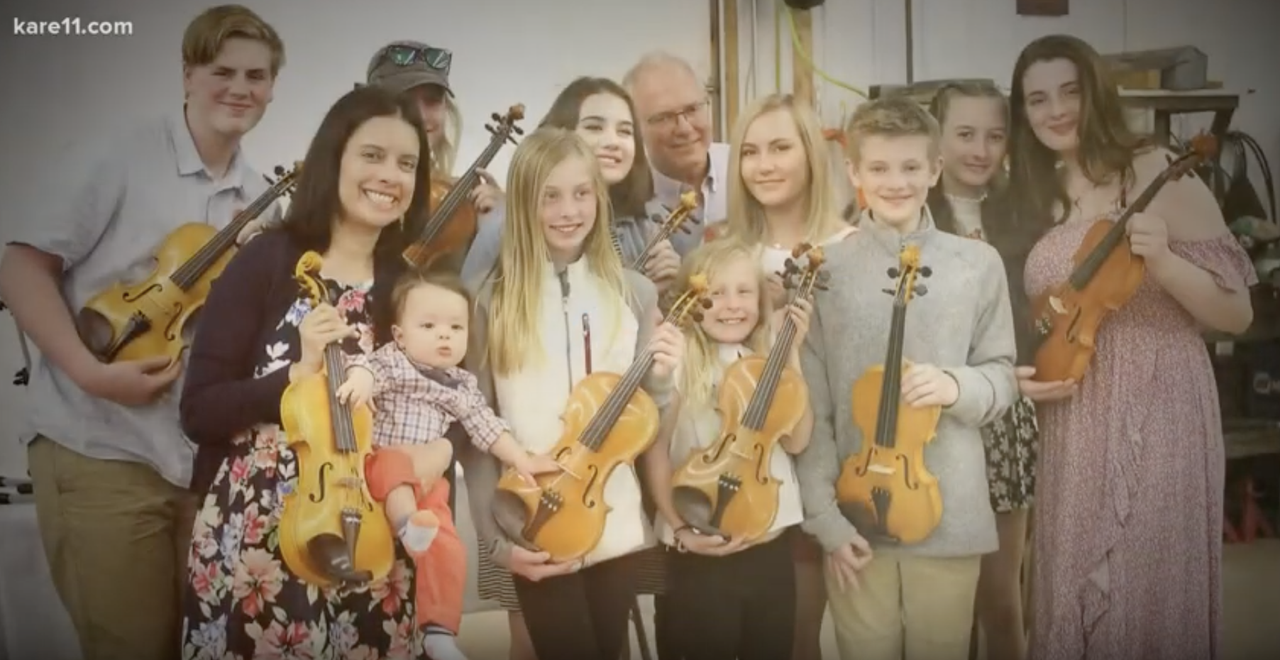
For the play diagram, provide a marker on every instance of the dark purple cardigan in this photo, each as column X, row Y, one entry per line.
column 220, row 397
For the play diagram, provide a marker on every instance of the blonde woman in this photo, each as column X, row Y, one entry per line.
column 556, row 260
column 780, row 195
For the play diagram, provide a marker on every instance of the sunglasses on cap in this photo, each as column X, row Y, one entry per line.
column 435, row 58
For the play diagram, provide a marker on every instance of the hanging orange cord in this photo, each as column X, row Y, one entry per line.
column 837, row 135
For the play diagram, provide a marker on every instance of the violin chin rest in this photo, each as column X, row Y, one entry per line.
column 330, row 554
column 695, row 509
column 512, row 517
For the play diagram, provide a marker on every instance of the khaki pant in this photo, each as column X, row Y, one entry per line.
column 116, row 536
column 906, row 608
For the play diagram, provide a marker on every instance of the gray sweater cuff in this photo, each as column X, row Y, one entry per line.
column 831, row 529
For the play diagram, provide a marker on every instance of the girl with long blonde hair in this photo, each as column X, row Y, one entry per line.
column 727, row 599
column 557, row 305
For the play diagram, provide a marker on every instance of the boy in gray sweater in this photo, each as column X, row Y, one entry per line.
column 888, row 599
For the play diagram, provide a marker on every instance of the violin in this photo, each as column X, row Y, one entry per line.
column 1066, row 318
column 675, row 221
column 448, row 233
column 331, row 531
column 608, row 422
column 132, row 321
column 728, row 488
column 884, row 489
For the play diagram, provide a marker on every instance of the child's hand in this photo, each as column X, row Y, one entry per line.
column 668, row 348
column 926, row 385
column 800, row 311
column 776, row 288
column 358, row 389
column 533, row 464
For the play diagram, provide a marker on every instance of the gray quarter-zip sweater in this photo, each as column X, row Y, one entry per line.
column 963, row 325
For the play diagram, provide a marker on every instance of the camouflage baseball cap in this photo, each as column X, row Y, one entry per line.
column 402, row 65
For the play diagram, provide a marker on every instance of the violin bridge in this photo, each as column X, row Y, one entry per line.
column 1056, row 304
column 881, row 469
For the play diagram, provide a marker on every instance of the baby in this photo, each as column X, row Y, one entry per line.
column 416, row 390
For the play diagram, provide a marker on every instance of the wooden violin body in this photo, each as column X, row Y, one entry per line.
column 1067, row 320
column 564, row 515
column 331, row 531
column 1106, row 275
column 885, row 489
column 888, row 489
column 608, row 422
column 148, row 318
column 444, row 240
column 728, row 489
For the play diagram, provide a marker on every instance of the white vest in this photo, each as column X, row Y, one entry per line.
column 699, row 427
column 533, row 400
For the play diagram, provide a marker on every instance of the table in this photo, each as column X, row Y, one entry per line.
column 33, row 622
column 1165, row 103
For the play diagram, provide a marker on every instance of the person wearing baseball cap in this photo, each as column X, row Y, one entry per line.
column 422, row 70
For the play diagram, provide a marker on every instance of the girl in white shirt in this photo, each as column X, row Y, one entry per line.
column 727, row 599
column 557, row 306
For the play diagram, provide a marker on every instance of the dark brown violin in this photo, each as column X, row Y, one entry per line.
column 608, row 422
column 728, row 488
column 332, row 531
column 1107, row 274
column 884, row 489
column 452, row 226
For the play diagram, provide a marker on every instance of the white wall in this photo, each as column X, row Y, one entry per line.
column 862, row 43
column 61, row 90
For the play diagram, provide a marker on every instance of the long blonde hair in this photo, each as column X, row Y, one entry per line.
column 444, row 151
column 746, row 215
column 701, row 362
column 520, row 273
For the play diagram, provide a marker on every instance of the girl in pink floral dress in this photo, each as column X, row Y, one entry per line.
column 259, row 334
column 1128, row 517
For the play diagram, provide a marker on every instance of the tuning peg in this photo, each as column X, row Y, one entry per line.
column 824, row 276
column 925, row 271
column 686, row 228
column 921, row 289
column 821, row 287
column 696, row 316
column 496, row 117
column 893, row 272
column 517, row 130
column 705, row 303
column 888, row 291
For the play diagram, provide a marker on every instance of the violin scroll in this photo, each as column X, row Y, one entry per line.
column 691, row 302
column 505, row 125
column 307, row 274
column 804, row 279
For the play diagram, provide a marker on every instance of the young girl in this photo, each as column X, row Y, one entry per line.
column 1128, row 516
column 727, row 600
column 356, row 203
column 780, row 195
column 974, row 122
column 417, row 389
column 557, row 306
column 602, row 114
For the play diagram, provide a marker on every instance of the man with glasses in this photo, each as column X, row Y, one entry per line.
column 675, row 121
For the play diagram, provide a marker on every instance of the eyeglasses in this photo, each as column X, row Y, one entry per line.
column 436, row 58
column 672, row 117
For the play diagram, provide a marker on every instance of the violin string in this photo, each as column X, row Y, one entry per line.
column 453, row 200
column 185, row 274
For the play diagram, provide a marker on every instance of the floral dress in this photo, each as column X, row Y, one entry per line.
column 240, row 600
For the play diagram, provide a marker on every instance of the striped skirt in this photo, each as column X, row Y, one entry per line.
column 494, row 582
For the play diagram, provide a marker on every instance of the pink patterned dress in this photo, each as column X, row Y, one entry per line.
column 1128, row 514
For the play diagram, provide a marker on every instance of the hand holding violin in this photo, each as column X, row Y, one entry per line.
column 926, row 385
column 319, row 328
column 668, row 348
column 708, row 545
column 1043, row 391
column 1148, row 237
column 537, row 566
column 486, row 195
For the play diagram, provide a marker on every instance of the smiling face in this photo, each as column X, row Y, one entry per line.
column 774, row 165
column 606, row 125
column 432, row 328
column 567, row 207
column 1051, row 90
column 230, row 94
column 973, row 142
column 734, row 290
column 894, row 175
column 377, row 172
column 676, row 118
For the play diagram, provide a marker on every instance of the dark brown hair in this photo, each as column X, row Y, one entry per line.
column 629, row 195
column 416, row 277
column 1107, row 146
column 315, row 202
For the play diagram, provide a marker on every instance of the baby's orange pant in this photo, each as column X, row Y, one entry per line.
column 441, row 571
